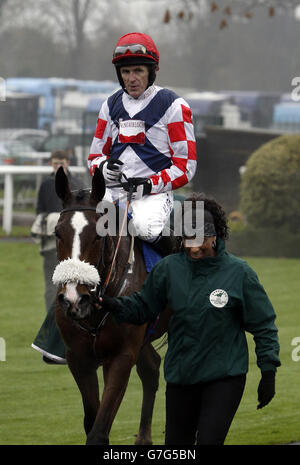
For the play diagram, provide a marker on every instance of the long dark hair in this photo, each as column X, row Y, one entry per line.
column 215, row 209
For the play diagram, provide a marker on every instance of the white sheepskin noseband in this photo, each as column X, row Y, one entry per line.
column 74, row 270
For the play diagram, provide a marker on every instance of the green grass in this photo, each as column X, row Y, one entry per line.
column 279, row 422
column 40, row 404
column 17, row 231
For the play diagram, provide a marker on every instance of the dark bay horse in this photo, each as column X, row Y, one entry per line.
column 92, row 338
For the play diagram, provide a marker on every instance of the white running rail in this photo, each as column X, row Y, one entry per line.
column 9, row 171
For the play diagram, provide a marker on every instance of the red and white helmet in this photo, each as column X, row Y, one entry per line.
column 135, row 48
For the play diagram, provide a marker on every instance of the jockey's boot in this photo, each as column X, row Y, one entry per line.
column 166, row 245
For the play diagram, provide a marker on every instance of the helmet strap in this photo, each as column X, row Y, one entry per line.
column 152, row 74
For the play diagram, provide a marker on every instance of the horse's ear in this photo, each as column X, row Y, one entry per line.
column 62, row 187
column 98, row 186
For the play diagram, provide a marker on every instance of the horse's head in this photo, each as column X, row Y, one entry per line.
column 78, row 245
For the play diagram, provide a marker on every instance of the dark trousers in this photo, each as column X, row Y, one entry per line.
column 50, row 262
column 202, row 413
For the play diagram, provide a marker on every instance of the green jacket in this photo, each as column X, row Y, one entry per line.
column 214, row 301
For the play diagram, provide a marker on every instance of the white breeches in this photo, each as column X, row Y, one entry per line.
column 150, row 215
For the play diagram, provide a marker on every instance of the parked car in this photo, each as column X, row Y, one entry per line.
column 33, row 137
column 76, row 142
column 14, row 152
column 17, row 153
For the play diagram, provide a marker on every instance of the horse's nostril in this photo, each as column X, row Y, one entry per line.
column 84, row 301
column 63, row 302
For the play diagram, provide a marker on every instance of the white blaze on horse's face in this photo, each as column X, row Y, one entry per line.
column 78, row 222
column 73, row 270
column 71, row 293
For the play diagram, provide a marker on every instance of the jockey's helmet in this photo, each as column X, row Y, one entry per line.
column 136, row 48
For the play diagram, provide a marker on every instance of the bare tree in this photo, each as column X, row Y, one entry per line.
column 2, row 4
column 71, row 23
column 228, row 10
column 69, row 20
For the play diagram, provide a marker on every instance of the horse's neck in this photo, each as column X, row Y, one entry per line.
column 121, row 255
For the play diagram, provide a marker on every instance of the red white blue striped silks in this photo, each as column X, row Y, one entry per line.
column 152, row 135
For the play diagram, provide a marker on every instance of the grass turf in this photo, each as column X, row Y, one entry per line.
column 40, row 404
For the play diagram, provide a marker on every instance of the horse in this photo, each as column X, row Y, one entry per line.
column 94, row 339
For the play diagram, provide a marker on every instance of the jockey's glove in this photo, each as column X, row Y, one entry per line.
column 266, row 388
column 111, row 170
column 139, row 187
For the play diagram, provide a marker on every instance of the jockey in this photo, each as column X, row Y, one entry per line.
column 145, row 132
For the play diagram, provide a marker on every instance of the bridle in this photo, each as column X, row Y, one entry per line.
column 97, row 293
column 99, row 290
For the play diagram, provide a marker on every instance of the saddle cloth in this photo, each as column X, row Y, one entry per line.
column 151, row 256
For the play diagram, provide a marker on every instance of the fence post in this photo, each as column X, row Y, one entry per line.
column 8, row 202
column 9, row 172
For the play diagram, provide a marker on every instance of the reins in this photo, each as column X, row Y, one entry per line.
column 106, row 282
column 101, row 289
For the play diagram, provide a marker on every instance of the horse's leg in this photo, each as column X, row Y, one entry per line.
column 147, row 366
column 87, row 382
column 116, row 376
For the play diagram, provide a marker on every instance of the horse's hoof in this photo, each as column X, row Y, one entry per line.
column 93, row 440
column 143, row 442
